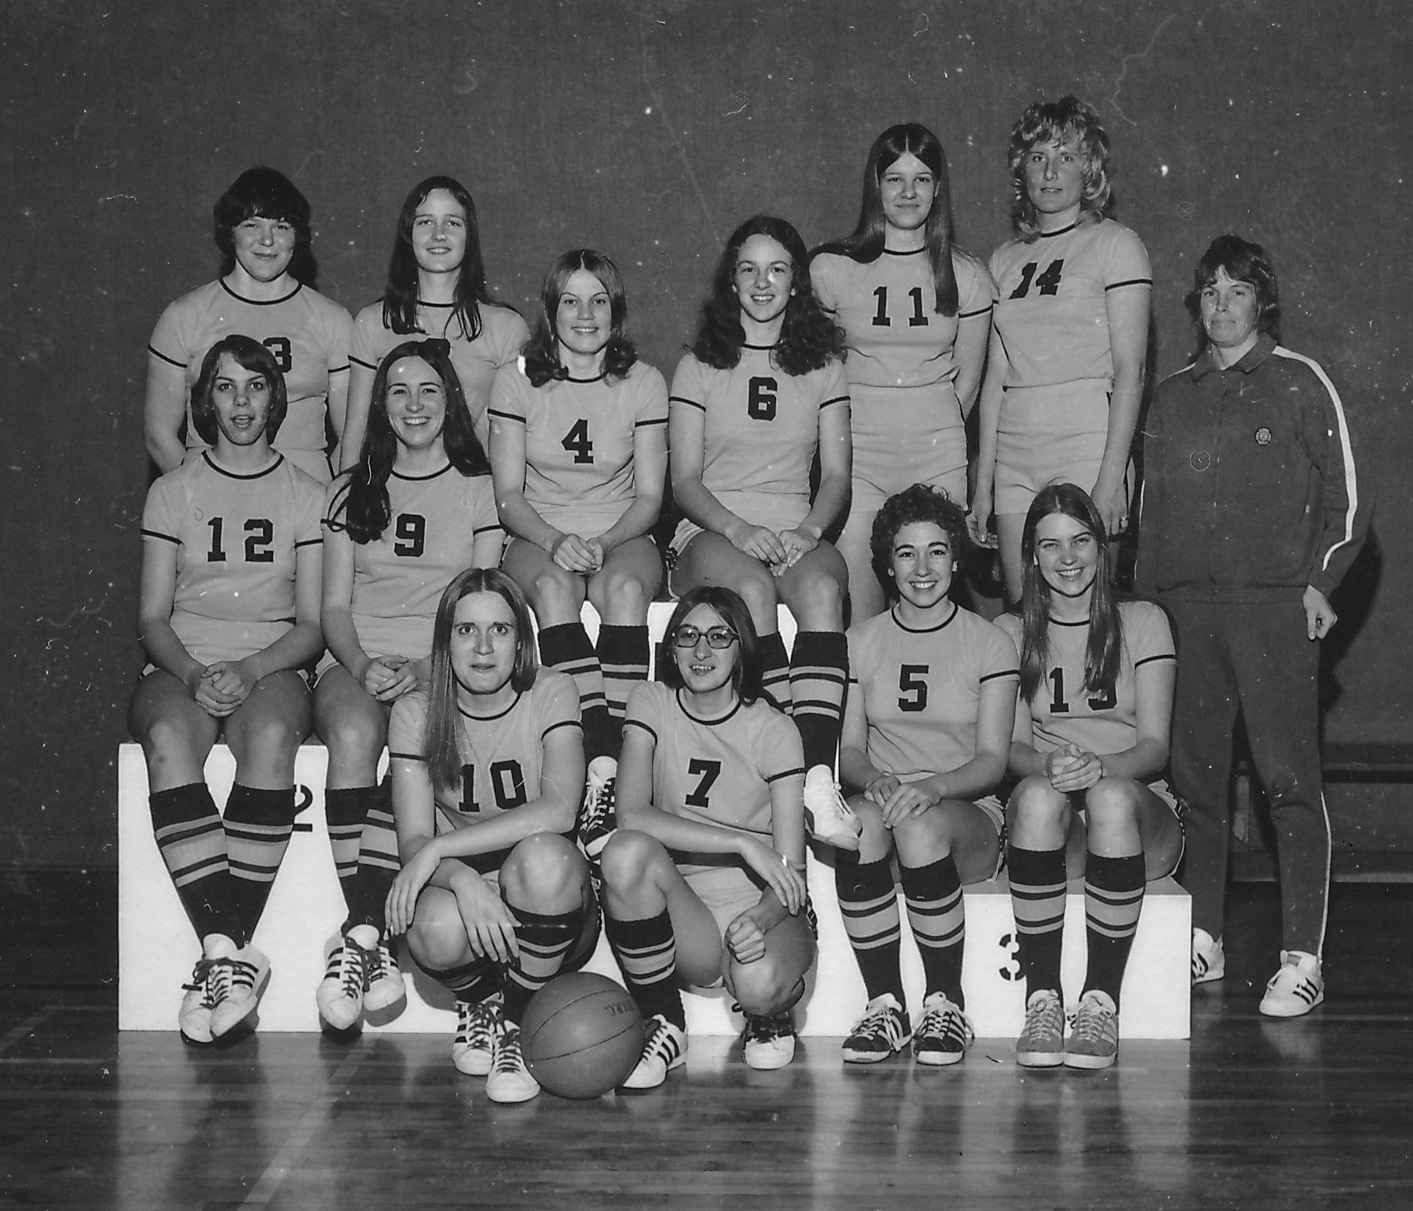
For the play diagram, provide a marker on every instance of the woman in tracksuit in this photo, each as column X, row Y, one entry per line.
column 1252, row 511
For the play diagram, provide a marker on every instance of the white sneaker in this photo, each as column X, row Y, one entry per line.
column 1209, row 958
column 596, row 817
column 383, row 985
column 239, row 982
column 194, row 1017
column 478, row 1026
column 1296, row 988
column 1094, row 1038
column 768, row 1042
column 340, row 993
column 510, row 1080
column 664, row 1048
column 827, row 816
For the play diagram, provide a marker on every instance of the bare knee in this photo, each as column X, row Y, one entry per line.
column 627, row 859
column 1036, row 813
column 817, row 600
column 544, row 872
column 353, row 736
column 555, row 593
column 437, row 938
column 621, row 590
column 757, row 590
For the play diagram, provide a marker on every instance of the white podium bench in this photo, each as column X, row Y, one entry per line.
column 157, row 947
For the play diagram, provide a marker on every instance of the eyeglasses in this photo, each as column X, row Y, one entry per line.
column 689, row 636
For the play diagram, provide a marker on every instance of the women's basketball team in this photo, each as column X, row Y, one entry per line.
column 426, row 601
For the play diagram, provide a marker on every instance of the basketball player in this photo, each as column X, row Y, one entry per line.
column 265, row 291
column 436, row 287
column 487, row 767
column 761, row 392
column 916, row 311
column 229, row 612
column 927, row 728
column 704, row 881
column 1065, row 372
column 1090, row 747
column 579, row 456
column 417, row 509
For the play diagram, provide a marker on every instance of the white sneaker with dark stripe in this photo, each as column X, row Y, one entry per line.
column 340, row 993
column 664, row 1048
column 243, row 979
column 828, row 817
column 477, row 1028
column 383, row 985
column 1296, row 988
column 1209, row 958
column 943, row 1035
column 510, row 1080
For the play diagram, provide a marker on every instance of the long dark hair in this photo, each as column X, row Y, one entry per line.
column 746, row 676
column 1105, row 648
column 400, row 294
column 809, row 339
column 441, row 747
column 362, row 506
column 542, row 350
column 264, row 193
column 252, row 355
column 866, row 243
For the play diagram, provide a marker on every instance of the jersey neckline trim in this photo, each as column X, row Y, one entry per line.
column 1057, row 622
column 1050, row 235
column 761, row 348
column 899, row 252
column 229, row 474
column 598, row 378
column 706, row 722
column 946, row 622
column 298, row 286
column 417, row 479
column 462, row 711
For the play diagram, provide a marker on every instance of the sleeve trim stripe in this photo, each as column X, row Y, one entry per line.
column 1001, row 673
column 966, row 315
column 554, row 727
column 176, row 542
column 505, row 415
column 1129, row 282
column 652, row 420
column 169, row 360
column 796, row 772
column 358, row 361
column 679, row 399
column 310, row 542
column 394, row 756
column 1351, row 478
column 639, row 723
column 838, row 399
column 1156, row 656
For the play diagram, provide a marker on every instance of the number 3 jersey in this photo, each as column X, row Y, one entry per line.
column 761, row 432
column 502, row 756
column 922, row 688
column 236, row 538
column 717, row 771
column 398, row 578
column 579, row 437
column 1063, row 711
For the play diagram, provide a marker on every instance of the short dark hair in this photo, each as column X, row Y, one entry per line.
column 265, row 193
column 916, row 503
column 542, row 353
column 746, row 676
column 1244, row 262
column 252, row 355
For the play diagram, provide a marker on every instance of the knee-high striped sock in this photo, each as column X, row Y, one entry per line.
column 545, row 940
column 623, row 656
column 258, row 826
column 819, row 670
column 345, row 809
column 1113, row 899
column 938, row 917
column 1038, row 901
column 473, row 981
column 869, row 907
column 566, row 647
column 646, row 950
column 378, row 861
column 192, row 842
column 775, row 671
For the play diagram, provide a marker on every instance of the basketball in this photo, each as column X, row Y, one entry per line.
column 581, row 1035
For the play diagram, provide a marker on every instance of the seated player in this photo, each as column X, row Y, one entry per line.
column 228, row 614
column 704, row 880
column 416, row 510
column 487, row 769
column 1090, row 747
column 761, row 392
column 579, row 456
column 266, row 291
column 927, row 727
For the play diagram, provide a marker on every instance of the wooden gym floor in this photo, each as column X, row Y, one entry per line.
column 1251, row 1113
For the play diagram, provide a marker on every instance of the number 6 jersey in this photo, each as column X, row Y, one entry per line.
column 236, row 537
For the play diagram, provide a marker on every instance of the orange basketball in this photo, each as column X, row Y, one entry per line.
column 581, row 1035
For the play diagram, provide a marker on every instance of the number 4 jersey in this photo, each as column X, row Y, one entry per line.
column 1063, row 711
column 236, row 538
